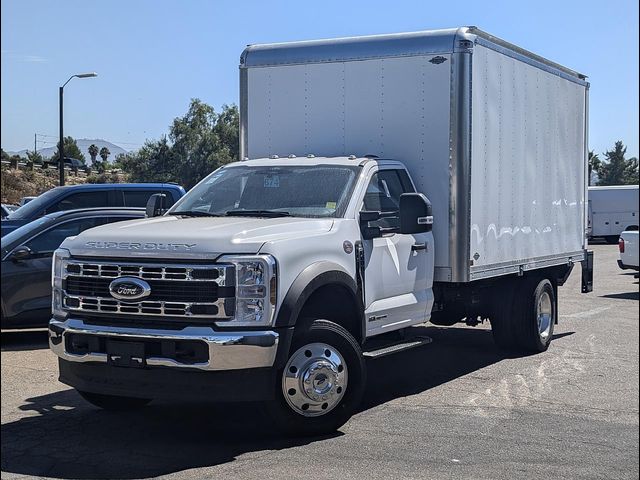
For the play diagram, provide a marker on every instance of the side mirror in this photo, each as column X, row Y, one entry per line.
column 20, row 253
column 416, row 215
column 155, row 204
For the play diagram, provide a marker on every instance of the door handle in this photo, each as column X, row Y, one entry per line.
column 418, row 246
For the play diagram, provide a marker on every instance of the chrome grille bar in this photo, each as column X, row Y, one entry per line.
column 158, row 308
column 223, row 275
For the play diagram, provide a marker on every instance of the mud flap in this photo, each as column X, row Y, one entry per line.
column 587, row 272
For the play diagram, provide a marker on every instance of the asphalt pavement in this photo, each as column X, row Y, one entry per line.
column 455, row 408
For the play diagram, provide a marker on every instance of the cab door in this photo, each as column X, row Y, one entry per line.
column 398, row 268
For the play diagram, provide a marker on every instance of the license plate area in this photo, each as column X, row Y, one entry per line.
column 125, row 354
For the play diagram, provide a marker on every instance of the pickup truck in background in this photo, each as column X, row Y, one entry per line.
column 379, row 191
column 629, row 246
column 91, row 195
column 612, row 210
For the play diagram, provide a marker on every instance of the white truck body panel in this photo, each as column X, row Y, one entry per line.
column 527, row 163
column 494, row 136
column 613, row 209
column 403, row 114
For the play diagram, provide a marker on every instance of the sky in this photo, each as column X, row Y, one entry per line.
column 153, row 56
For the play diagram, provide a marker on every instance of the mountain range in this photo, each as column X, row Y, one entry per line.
column 83, row 145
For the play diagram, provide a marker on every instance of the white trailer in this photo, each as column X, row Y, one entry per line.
column 612, row 210
column 493, row 135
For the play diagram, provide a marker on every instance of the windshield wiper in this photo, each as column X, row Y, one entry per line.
column 257, row 213
column 195, row 213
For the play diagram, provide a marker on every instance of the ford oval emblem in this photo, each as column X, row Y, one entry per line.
column 129, row 288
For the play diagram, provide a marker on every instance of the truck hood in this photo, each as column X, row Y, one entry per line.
column 190, row 238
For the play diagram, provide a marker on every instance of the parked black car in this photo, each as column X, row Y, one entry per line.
column 71, row 197
column 72, row 163
column 26, row 261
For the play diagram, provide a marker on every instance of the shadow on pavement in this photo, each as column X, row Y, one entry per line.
column 70, row 439
column 20, row 340
column 624, row 296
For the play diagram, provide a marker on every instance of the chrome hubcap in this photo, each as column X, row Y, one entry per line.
column 544, row 314
column 314, row 379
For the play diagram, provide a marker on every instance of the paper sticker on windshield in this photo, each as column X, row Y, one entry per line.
column 272, row 181
column 330, row 205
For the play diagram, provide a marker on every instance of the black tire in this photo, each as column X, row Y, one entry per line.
column 612, row 239
column 293, row 423
column 114, row 403
column 526, row 331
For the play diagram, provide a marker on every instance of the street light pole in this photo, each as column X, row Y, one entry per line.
column 61, row 145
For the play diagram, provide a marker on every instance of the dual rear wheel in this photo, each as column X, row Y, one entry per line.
column 525, row 316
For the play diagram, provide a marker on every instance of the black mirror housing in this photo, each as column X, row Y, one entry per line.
column 416, row 215
column 21, row 253
column 155, row 205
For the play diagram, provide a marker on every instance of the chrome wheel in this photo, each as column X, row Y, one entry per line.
column 314, row 379
column 544, row 314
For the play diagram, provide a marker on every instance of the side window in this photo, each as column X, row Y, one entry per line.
column 139, row 198
column 49, row 240
column 81, row 200
column 383, row 195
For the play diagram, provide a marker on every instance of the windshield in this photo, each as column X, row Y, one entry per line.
column 299, row 191
column 10, row 238
column 35, row 206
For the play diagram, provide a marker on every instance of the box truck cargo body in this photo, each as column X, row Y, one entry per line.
column 495, row 136
column 612, row 210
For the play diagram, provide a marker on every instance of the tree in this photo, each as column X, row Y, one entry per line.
column 71, row 150
column 104, row 154
column 616, row 169
column 34, row 157
column 93, row 152
column 594, row 164
column 198, row 143
column 101, row 165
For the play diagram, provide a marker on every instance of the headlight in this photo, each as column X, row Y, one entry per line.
column 256, row 290
column 58, row 268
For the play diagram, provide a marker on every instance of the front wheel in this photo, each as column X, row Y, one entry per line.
column 322, row 383
column 113, row 402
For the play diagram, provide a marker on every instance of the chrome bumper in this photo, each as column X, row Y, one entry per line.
column 227, row 350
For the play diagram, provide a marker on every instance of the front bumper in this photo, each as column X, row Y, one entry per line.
column 226, row 350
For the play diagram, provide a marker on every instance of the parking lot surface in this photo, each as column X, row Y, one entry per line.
column 455, row 408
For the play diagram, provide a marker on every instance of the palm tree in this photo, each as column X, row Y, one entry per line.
column 93, row 152
column 104, row 154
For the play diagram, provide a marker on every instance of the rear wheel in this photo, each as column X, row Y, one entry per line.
column 322, row 383
column 114, row 402
column 525, row 316
column 535, row 316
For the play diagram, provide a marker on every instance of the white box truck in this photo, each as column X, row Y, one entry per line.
column 389, row 181
column 612, row 210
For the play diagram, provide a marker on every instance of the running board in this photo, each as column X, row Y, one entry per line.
column 398, row 347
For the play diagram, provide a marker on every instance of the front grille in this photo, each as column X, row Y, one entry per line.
column 202, row 273
column 201, row 291
column 161, row 290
